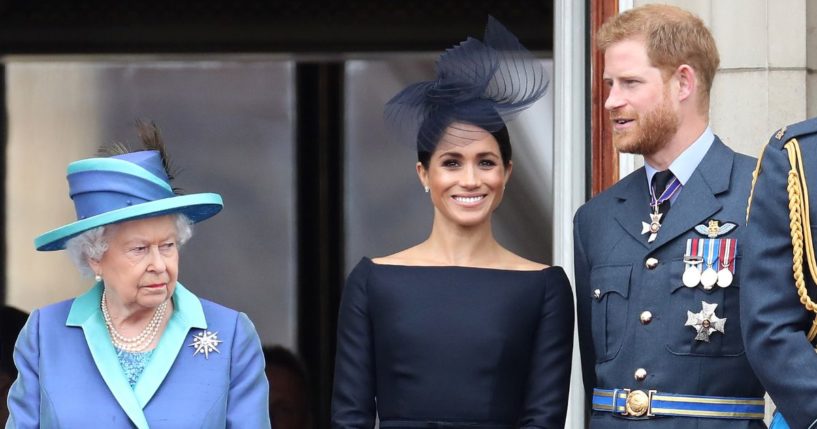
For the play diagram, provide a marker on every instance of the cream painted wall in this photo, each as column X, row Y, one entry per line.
column 36, row 189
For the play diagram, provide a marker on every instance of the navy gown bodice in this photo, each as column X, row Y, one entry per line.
column 453, row 346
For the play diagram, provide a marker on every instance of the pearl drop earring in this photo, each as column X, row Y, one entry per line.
column 98, row 278
column 426, row 189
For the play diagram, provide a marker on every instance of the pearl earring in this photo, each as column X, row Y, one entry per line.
column 98, row 278
column 426, row 189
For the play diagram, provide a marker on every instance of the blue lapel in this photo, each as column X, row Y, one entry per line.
column 187, row 314
column 634, row 204
column 85, row 313
column 697, row 201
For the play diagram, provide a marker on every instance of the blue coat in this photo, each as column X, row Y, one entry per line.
column 70, row 377
column 611, row 256
column 775, row 322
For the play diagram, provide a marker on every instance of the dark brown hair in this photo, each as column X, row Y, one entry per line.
column 502, row 139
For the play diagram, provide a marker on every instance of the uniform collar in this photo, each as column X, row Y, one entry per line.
column 698, row 201
column 685, row 164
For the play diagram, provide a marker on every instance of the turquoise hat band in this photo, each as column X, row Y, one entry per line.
column 197, row 207
column 116, row 166
column 124, row 187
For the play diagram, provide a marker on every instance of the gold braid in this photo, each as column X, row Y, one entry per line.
column 754, row 180
column 800, row 224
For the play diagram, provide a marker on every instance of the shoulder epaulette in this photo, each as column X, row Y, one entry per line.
column 790, row 139
column 798, row 131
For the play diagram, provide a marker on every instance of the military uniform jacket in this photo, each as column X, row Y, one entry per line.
column 615, row 285
column 775, row 322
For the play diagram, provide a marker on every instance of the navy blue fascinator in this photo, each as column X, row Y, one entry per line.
column 480, row 83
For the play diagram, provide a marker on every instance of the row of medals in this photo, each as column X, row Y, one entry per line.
column 709, row 277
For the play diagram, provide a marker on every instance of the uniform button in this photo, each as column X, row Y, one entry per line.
column 640, row 374
column 651, row 263
column 646, row 317
column 597, row 293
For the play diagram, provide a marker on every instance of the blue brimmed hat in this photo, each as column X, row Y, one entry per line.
column 124, row 187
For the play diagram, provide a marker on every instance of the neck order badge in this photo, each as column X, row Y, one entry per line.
column 655, row 217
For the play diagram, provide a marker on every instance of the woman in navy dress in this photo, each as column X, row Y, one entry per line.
column 458, row 331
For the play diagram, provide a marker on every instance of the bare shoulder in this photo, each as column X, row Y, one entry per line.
column 516, row 262
column 410, row 256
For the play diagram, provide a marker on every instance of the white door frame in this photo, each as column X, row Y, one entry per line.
column 569, row 157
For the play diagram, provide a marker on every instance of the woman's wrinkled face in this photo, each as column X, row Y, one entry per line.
column 141, row 264
column 467, row 178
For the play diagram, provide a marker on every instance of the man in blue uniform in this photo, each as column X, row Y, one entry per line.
column 657, row 254
column 778, row 288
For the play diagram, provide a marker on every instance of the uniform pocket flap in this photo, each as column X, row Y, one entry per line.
column 611, row 279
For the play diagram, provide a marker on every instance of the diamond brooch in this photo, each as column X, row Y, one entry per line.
column 205, row 342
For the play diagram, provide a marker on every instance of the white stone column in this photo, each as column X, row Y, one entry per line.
column 761, row 84
column 569, row 160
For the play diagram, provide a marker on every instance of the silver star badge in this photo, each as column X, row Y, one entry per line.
column 705, row 322
column 205, row 342
column 652, row 227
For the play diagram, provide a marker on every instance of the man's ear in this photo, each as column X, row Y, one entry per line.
column 687, row 83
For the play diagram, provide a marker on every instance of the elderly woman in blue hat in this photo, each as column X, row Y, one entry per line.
column 138, row 349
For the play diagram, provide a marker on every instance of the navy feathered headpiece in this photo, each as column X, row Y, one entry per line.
column 480, row 83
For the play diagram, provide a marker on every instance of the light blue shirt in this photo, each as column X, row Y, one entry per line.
column 686, row 163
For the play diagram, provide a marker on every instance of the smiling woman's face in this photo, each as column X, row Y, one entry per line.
column 141, row 264
column 466, row 181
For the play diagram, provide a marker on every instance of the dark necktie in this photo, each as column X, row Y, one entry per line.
column 659, row 185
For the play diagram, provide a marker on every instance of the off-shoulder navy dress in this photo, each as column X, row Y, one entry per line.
column 429, row 347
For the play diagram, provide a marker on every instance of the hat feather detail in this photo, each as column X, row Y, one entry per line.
column 152, row 140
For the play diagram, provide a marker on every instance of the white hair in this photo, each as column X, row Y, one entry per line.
column 92, row 244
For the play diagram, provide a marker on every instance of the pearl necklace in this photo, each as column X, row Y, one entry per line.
column 144, row 339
